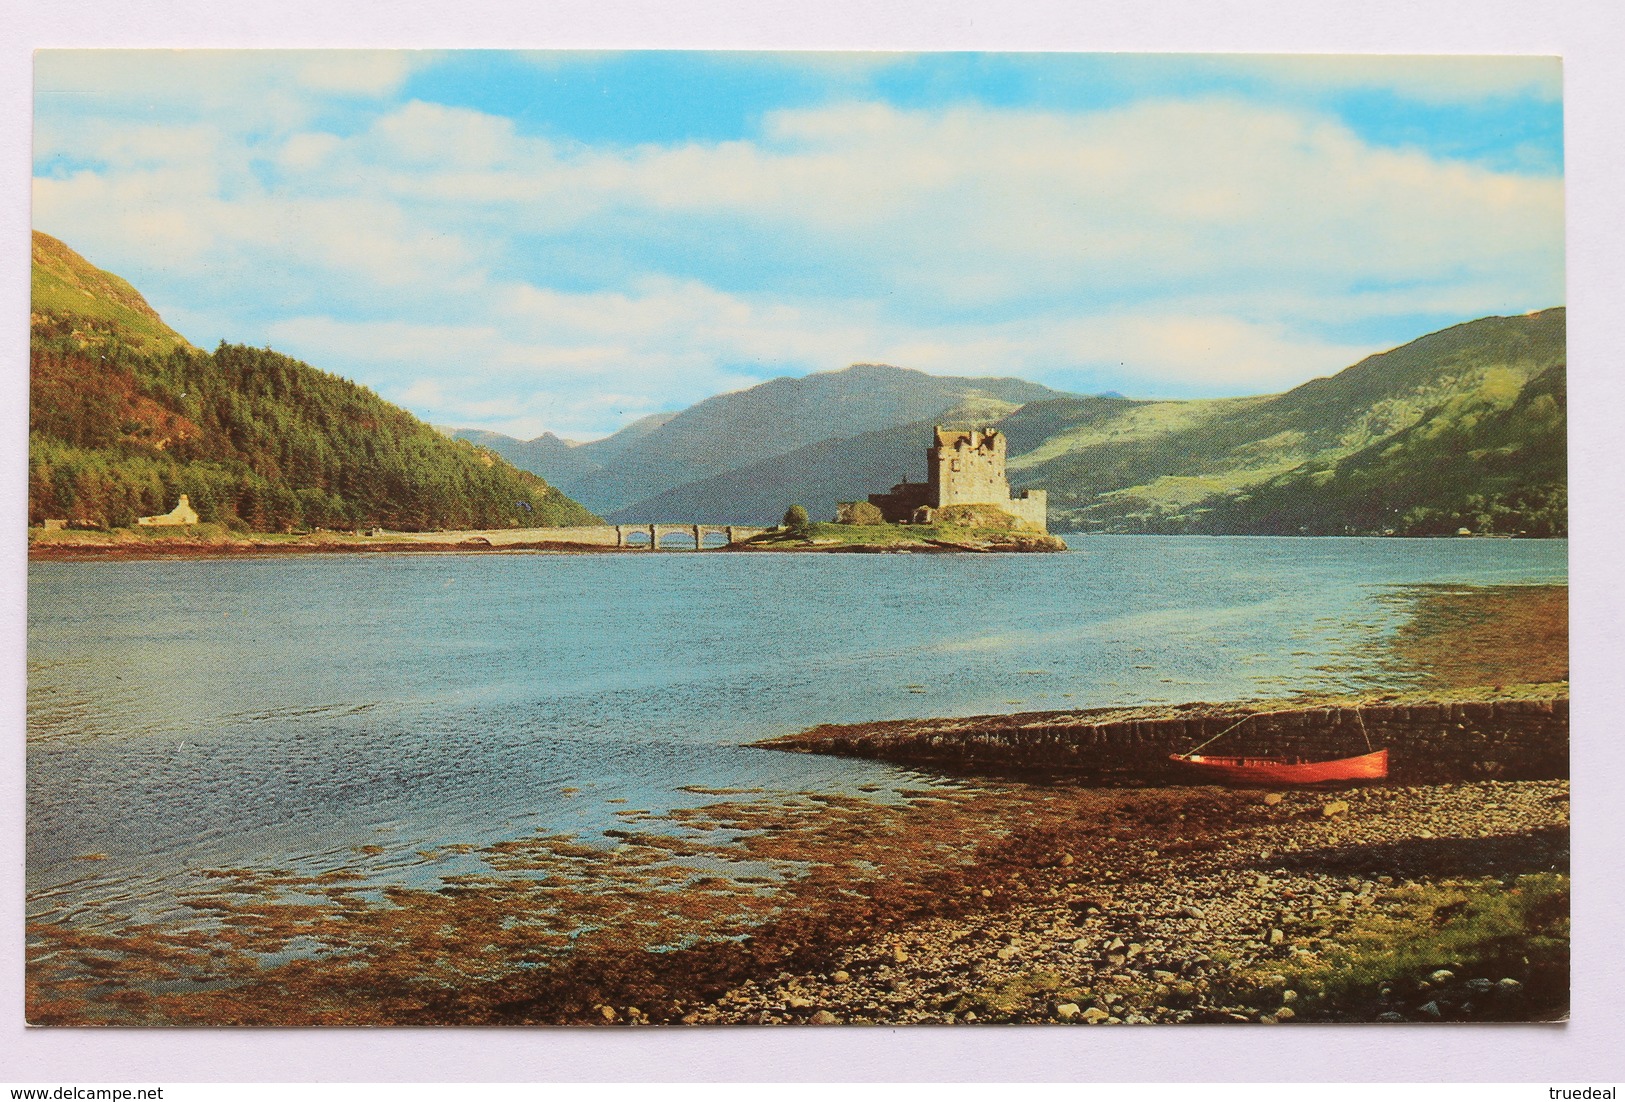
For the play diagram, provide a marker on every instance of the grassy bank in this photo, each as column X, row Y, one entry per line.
column 1457, row 949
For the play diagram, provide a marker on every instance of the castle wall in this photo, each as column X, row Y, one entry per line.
column 1031, row 506
column 898, row 506
column 964, row 467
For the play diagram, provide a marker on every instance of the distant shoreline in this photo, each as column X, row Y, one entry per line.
column 257, row 548
column 128, row 544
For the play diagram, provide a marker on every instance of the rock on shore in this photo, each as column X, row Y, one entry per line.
column 1501, row 733
column 1209, row 936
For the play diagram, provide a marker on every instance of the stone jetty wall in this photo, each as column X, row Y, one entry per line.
column 1428, row 742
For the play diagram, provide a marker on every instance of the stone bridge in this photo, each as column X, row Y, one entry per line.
column 730, row 533
column 642, row 536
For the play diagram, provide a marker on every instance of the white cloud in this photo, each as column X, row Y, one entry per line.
column 1167, row 244
column 1433, row 79
column 670, row 344
column 1213, row 353
column 366, row 73
column 208, row 81
column 425, row 134
column 307, row 152
column 980, row 205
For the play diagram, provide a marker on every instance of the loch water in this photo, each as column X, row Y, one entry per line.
column 328, row 711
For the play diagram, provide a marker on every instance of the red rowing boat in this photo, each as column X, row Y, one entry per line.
column 1366, row 767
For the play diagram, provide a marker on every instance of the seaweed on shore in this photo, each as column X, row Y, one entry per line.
column 557, row 929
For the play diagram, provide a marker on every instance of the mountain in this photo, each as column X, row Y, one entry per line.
column 1491, row 387
column 816, row 476
column 1463, row 428
column 557, row 460
column 605, row 451
column 1460, row 428
column 1471, row 463
column 733, row 431
column 553, row 459
column 125, row 415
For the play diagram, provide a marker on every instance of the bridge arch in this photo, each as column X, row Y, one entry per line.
column 634, row 535
column 677, row 537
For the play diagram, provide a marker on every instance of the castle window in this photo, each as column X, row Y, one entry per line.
column 956, row 464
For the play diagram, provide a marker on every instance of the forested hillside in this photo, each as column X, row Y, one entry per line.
column 124, row 416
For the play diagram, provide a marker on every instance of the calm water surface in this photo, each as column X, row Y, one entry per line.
column 282, row 713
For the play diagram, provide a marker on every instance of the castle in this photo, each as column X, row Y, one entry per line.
column 964, row 467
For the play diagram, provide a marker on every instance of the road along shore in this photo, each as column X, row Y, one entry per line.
column 93, row 546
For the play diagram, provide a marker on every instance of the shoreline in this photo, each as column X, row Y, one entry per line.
column 1033, row 896
column 260, row 545
column 138, row 548
column 261, row 549
column 993, row 902
column 1016, row 898
column 86, row 546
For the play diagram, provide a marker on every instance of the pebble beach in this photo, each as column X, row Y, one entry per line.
column 1156, row 929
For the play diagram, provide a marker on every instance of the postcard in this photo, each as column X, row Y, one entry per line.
column 667, row 538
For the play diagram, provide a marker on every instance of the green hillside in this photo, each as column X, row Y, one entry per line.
column 1470, row 463
column 1266, row 464
column 95, row 307
column 124, row 416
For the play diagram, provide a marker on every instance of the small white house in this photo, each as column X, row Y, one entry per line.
column 182, row 514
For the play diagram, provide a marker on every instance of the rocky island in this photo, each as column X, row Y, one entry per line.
column 965, row 504
column 903, row 538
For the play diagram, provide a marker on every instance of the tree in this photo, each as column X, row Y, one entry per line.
column 864, row 512
column 796, row 519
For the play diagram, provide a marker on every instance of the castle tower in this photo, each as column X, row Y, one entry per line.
column 964, row 467
column 967, row 467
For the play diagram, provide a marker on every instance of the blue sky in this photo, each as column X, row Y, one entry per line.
column 566, row 242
